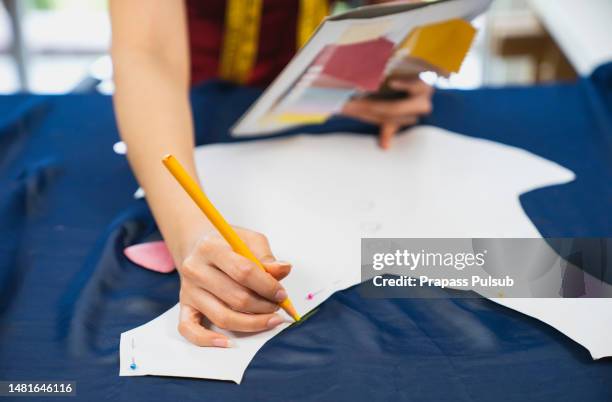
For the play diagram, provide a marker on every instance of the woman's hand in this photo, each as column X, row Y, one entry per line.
column 228, row 289
column 391, row 115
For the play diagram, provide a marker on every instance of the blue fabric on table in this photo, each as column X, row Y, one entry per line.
column 67, row 292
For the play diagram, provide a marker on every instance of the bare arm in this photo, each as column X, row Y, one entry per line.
column 151, row 72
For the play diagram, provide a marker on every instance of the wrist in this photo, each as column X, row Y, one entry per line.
column 185, row 235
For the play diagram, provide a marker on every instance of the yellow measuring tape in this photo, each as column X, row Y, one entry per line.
column 242, row 26
column 312, row 12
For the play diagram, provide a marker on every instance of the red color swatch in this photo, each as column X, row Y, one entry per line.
column 360, row 64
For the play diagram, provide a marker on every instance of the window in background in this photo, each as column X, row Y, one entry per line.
column 65, row 43
column 61, row 40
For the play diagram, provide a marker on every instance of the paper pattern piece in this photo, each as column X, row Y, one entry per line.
column 338, row 188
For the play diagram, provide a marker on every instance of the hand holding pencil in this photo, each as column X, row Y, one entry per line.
column 231, row 277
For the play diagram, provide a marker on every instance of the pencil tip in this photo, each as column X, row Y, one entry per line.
column 288, row 307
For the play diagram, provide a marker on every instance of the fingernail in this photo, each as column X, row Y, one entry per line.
column 221, row 342
column 274, row 321
column 280, row 295
column 279, row 265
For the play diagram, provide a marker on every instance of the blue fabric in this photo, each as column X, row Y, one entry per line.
column 66, row 291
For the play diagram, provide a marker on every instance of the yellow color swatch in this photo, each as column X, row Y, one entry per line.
column 443, row 45
column 301, row 118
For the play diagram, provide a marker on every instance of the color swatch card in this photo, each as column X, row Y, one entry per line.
column 355, row 54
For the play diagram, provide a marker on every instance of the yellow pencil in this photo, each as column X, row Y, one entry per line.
column 197, row 195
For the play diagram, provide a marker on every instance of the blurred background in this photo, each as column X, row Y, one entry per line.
column 61, row 46
column 52, row 46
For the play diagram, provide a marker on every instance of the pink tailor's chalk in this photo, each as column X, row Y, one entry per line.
column 153, row 255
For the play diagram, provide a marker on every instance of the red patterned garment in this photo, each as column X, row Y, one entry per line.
column 277, row 38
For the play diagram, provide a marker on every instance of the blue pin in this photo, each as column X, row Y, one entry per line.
column 133, row 366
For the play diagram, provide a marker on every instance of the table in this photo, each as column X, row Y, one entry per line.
column 66, row 291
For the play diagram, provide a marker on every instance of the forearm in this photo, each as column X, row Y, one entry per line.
column 154, row 117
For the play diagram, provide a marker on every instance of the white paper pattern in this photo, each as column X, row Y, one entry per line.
column 316, row 196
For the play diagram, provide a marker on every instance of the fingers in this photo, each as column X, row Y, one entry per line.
column 412, row 86
column 190, row 328
column 236, row 281
column 226, row 318
column 216, row 252
column 260, row 246
column 387, row 131
column 249, row 275
column 231, row 293
column 401, row 112
column 359, row 109
column 278, row 269
column 394, row 111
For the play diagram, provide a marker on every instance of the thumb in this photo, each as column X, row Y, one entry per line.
column 278, row 269
column 387, row 131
